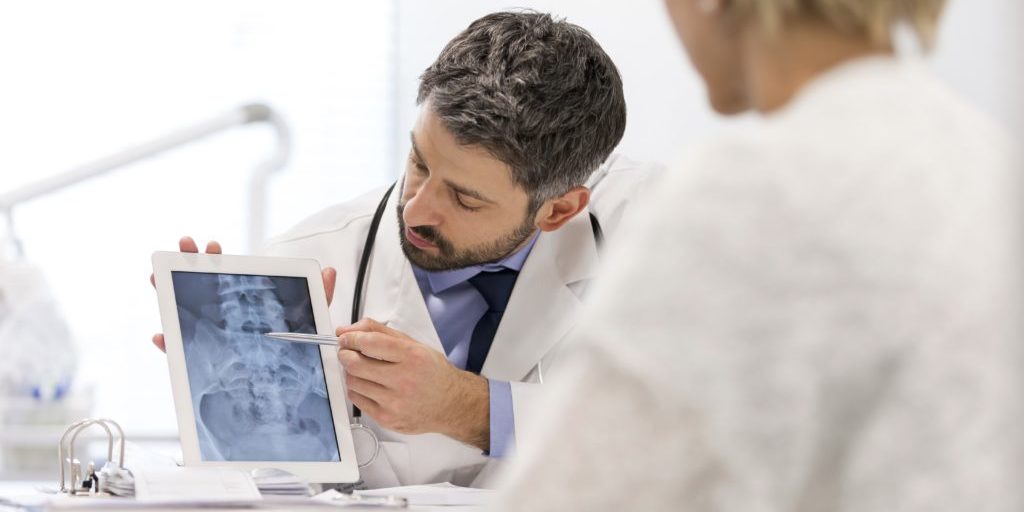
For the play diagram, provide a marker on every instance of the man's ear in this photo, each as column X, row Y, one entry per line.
column 554, row 213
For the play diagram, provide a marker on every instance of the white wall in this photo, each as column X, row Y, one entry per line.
column 664, row 98
column 980, row 53
column 666, row 102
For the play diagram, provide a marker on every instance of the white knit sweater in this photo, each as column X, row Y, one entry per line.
column 814, row 314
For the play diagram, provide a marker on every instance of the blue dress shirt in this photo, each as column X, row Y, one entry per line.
column 455, row 307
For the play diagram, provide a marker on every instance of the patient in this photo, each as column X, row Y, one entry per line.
column 818, row 312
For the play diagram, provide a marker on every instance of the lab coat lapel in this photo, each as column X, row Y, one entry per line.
column 392, row 295
column 543, row 308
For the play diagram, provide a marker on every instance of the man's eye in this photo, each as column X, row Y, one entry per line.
column 463, row 205
column 418, row 165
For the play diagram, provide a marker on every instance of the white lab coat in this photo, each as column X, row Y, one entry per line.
column 541, row 312
column 817, row 313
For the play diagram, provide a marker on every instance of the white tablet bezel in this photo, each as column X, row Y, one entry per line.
column 164, row 263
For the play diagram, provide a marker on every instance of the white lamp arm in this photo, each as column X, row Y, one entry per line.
column 252, row 113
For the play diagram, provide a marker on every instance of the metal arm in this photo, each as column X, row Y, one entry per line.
column 252, row 113
column 261, row 174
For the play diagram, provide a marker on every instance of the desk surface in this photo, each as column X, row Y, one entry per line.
column 14, row 490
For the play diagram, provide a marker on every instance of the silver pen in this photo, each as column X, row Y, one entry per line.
column 298, row 337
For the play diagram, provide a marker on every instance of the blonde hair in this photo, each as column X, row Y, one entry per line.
column 872, row 18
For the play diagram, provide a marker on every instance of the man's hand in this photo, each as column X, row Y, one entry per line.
column 187, row 244
column 410, row 388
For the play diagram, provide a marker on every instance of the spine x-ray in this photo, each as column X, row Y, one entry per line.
column 254, row 398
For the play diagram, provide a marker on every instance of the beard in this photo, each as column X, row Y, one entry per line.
column 449, row 258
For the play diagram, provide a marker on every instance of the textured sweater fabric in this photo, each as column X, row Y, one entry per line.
column 815, row 313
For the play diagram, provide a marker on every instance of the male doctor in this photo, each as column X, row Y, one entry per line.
column 484, row 247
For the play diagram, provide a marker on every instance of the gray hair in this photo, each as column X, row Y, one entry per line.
column 537, row 93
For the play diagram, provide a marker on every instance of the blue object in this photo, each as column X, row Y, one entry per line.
column 61, row 389
column 503, row 426
column 496, row 288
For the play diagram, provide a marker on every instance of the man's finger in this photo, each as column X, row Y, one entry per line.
column 213, row 247
column 158, row 340
column 330, row 279
column 366, row 404
column 187, row 244
column 375, row 344
column 365, row 367
column 152, row 280
column 366, row 388
column 369, row 324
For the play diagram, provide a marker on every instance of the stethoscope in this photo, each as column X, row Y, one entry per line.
column 357, row 426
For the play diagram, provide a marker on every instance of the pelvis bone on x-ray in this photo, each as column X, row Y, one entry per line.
column 254, row 398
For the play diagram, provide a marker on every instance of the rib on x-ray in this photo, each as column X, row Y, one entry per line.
column 254, row 398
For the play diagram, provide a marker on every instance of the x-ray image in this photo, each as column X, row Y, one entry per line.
column 254, row 398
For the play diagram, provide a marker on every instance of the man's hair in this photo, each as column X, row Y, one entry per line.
column 537, row 93
column 874, row 19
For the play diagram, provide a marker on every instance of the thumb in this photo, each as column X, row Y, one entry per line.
column 330, row 278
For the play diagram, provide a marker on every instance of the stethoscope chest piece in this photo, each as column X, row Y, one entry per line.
column 366, row 442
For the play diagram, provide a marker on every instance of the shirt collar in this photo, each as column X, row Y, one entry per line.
column 445, row 279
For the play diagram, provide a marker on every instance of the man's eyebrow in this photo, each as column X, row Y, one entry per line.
column 454, row 186
column 416, row 150
column 467, row 192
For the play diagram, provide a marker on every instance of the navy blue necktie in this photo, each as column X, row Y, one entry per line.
column 496, row 287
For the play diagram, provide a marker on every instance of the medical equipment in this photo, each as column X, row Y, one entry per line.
column 243, row 400
column 39, row 358
column 37, row 370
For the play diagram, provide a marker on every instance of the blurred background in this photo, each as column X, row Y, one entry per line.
column 83, row 80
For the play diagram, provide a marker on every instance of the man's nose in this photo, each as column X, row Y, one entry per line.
column 421, row 208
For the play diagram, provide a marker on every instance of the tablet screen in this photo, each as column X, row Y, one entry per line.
column 254, row 398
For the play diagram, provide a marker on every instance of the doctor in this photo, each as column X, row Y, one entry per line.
column 468, row 274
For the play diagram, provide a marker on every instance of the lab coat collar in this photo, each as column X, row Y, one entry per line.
column 543, row 308
column 541, row 311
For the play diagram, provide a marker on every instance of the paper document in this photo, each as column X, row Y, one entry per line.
column 435, row 494
column 207, row 484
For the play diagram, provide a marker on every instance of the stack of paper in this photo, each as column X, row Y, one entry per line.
column 276, row 482
column 194, row 484
column 434, row 494
column 444, row 494
column 117, row 480
column 270, row 482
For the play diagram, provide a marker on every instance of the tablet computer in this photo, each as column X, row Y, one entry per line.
column 244, row 400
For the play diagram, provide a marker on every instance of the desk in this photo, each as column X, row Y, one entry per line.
column 26, row 488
